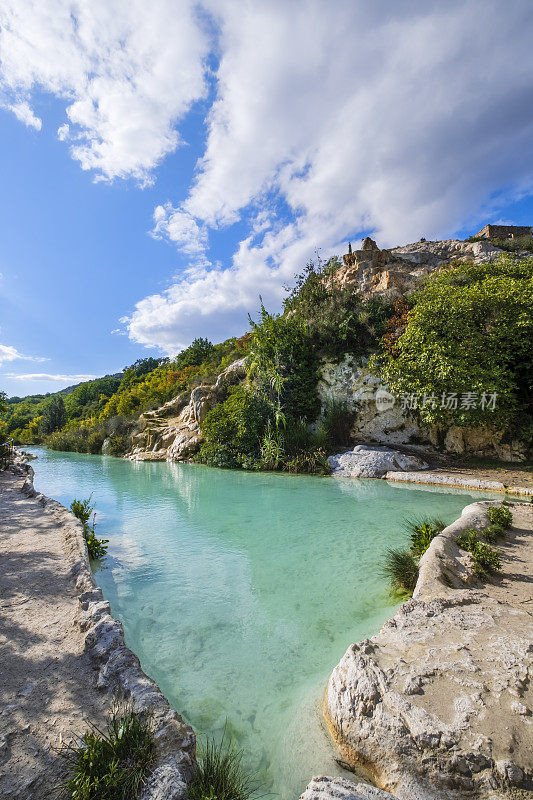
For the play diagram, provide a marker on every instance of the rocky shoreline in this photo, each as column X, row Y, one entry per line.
column 380, row 703
column 438, row 703
column 117, row 670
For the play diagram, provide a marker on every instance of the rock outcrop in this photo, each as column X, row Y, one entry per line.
column 380, row 418
column 173, row 432
column 372, row 462
column 392, row 273
column 439, row 701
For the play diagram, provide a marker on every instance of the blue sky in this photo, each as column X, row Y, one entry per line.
column 164, row 165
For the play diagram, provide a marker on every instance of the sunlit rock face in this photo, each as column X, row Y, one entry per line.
column 379, row 417
column 392, row 273
column 173, row 432
column 373, row 462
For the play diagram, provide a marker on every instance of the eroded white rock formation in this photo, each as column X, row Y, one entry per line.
column 173, row 432
column 324, row 788
column 392, row 273
column 439, row 701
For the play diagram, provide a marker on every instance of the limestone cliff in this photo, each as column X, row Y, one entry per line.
column 351, row 381
column 173, row 432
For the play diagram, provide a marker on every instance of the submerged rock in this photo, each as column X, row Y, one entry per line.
column 373, row 462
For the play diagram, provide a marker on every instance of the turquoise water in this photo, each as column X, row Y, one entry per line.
column 240, row 592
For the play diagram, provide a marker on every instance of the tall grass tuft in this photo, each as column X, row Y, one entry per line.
column 111, row 764
column 220, row 774
column 401, row 568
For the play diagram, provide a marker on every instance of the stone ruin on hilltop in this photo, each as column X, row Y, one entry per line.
column 391, row 273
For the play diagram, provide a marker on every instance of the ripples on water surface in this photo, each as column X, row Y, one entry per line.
column 240, row 591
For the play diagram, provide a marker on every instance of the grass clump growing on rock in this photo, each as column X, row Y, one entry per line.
column 401, row 567
column 500, row 515
column 111, row 764
column 220, row 774
column 82, row 509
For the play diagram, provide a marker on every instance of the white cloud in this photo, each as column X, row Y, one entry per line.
column 45, row 376
column 25, row 114
column 391, row 118
column 182, row 229
column 63, row 132
column 407, row 119
column 127, row 70
column 8, row 353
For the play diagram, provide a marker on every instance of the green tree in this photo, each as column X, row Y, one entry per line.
column 470, row 330
column 199, row 351
column 54, row 415
column 283, row 361
column 234, row 429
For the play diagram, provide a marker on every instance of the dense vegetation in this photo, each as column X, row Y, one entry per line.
column 466, row 332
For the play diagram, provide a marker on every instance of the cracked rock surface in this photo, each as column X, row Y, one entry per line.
column 439, row 702
column 372, row 462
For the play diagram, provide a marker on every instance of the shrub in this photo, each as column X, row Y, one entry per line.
column 336, row 423
column 422, row 533
column 82, row 509
column 220, row 775
column 401, row 568
column 311, row 462
column 468, row 540
column 337, row 320
column 470, row 330
column 500, row 515
column 234, row 429
column 492, row 532
column 486, row 559
column 111, row 764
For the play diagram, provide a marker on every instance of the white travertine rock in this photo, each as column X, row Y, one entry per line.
column 372, row 462
column 433, row 704
column 173, row 432
column 324, row 788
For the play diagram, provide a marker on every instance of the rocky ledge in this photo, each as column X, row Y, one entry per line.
column 118, row 673
column 438, row 703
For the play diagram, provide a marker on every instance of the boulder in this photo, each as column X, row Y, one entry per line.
column 373, row 462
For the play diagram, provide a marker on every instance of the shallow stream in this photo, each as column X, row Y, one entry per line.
column 240, row 591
